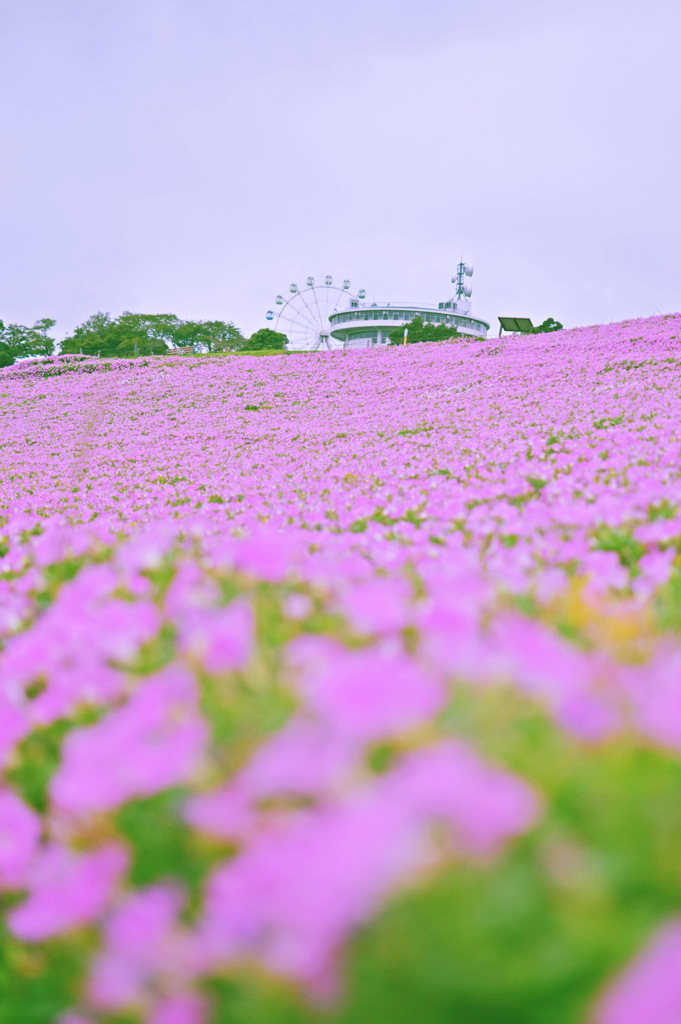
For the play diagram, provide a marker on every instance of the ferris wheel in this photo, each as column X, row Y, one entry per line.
column 304, row 317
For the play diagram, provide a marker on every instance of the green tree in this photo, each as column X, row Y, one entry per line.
column 419, row 331
column 140, row 346
column 149, row 334
column 549, row 325
column 93, row 336
column 209, row 335
column 18, row 342
column 266, row 338
column 158, row 330
column 129, row 334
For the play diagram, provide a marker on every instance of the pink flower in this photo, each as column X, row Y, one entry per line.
column 295, row 894
column 369, row 694
column 67, row 890
column 184, row 1009
column 605, row 571
column 655, row 569
column 483, row 806
column 225, row 813
column 190, row 589
column 19, row 834
column 138, row 940
column 297, row 606
column 126, row 626
column 154, row 741
column 13, row 727
column 649, row 990
column 266, row 554
column 69, row 649
column 303, row 759
column 544, row 666
column 145, row 551
column 377, row 606
column 654, row 691
column 659, row 531
column 221, row 639
column 69, row 687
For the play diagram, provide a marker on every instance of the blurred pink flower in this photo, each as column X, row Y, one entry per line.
column 655, row 568
column 14, row 726
column 294, row 895
column 20, row 828
column 605, row 571
column 143, row 948
column 67, row 890
column 183, row 1009
column 565, row 678
column 303, row 759
column 69, row 649
column 225, row 813
column 377, row 606
column 367, row 694
column 189, row 590
column 649, row 990
column 265, row 554
column 221, row 638
column 654, row 692
column 297, row 606
column 154, row 741
column 145, row 551
column 449, row 782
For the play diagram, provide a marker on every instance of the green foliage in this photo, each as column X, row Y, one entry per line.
column 266, row 338
column 140, row 346
column 662, row 510
column 163, row 848
column 145, row 334
column 102, row 335
column 36, row 762
column 17, row 342
column 549, row 325
column 209, row 336
column 419, row 331
column 37, row 985
column 668, row 603
column 622, row 543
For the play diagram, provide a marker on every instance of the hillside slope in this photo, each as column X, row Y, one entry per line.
column 344, row 687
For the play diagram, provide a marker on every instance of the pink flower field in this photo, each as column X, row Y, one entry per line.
column 344, row 686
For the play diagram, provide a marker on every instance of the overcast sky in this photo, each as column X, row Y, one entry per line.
column 196, row 156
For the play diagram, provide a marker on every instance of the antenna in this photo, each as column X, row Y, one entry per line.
column 463, row 289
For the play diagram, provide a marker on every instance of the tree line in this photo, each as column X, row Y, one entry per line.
column 132, row 334
column 143, row 334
